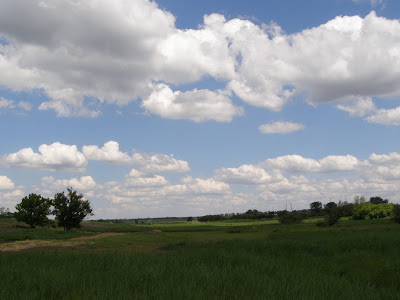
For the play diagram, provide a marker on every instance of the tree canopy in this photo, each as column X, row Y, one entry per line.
column 33, row 210
column 70, row 209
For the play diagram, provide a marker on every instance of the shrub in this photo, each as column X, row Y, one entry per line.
column 290, row 217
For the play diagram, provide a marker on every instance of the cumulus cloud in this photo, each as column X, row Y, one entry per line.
column 391, row 158
column 54, row 157
column 195, row 105
column 297, row 163
column 359, row 108
column 280, row 127
column 136, row 179
column 6, row 183
column 245, row 174
column 108, row 153
column 67, row 51
column 206, row 186
column 146, row 162
column 85, row 183
column 386, row 116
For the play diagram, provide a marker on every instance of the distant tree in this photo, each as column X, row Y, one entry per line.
column 5, row 212
column 372, row 211
column 70, row 209
column 149, row 222
column 316, row 208
column 33, row 210
column 209, row 218
column 289, row 217
column 378, row 200
column 329, row 206
column 189, row 219
column 334, row 212
column 359, row 200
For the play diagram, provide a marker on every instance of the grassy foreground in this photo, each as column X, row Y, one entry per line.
column 240, row 260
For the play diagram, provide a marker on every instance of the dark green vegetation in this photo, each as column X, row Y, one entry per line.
column 332, row 212
column 69, row 209
column 33, row 210
column 233, row 259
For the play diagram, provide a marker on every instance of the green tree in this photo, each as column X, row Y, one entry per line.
column 316, row 208
column 70, row 209
column 33, row 210
column 334, row 212
column 330, row 206
column 378, row 200
column 290, row 217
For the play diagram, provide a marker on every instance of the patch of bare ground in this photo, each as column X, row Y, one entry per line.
column 29, row 244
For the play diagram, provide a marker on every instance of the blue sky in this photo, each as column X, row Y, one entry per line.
column 178, row 108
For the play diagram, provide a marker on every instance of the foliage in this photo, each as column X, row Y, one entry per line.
column 290, row 217
column 372, row 211
column 70, row 209
column 208, row 218
column 316, row 208
column 329, row 206
column 378, row 200
column 396, row 213
column 33, row 210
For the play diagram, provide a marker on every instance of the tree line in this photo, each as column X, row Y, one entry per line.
column 68, row 208
column 331, row 212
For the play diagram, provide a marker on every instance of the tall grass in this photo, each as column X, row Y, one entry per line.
column 301, row 262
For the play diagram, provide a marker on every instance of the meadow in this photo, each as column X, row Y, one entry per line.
column 237, row 259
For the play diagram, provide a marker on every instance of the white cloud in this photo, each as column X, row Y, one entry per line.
column 195, row 105
column 206, row 186
column 54, row 157
column 22, row 106
column 391, row 158
column 245, row 174
column 280, row 127
column 386, row 116
column 359, row 108
column 6, row 183
column 66, row 50
column 6, row 104
column 297, row 163
column 148, row 163
column 85, row 183
column 138, row 179
column 108, row 153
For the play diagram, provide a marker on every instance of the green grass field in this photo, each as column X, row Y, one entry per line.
column 217, row 260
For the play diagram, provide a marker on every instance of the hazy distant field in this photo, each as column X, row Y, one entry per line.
column 217, row 260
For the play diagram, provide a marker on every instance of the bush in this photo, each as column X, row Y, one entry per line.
column 290, row 217
column 372, row 211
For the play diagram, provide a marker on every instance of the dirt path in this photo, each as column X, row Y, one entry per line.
column 28, row 244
